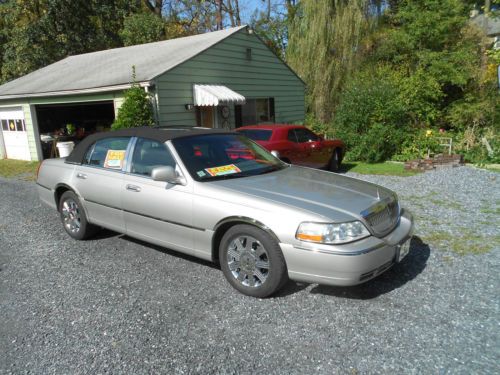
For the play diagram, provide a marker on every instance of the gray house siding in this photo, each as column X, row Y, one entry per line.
column 226, row 63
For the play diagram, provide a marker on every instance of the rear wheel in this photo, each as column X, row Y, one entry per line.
column 252, row 261
column 335, row 161
column 73, row 217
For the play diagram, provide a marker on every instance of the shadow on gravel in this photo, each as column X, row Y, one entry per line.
column 414, row 263
column 291, row 287
column 105, row 233
column 173, row 253
column 346, row 167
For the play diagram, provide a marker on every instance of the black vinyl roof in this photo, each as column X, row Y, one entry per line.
column 160, row 134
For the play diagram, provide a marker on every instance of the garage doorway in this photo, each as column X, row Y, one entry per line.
column 14, row 133
column 71, row 122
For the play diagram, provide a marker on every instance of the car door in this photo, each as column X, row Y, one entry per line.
column 312, row 147
column 156, row 211
column 99, row 181
column 296, row 152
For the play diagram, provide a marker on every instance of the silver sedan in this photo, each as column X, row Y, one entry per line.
column 219, row 196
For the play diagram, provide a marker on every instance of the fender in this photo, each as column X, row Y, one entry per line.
column 247, row 220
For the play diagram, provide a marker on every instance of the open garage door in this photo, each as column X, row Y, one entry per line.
column 83, row 118
column 14, row 133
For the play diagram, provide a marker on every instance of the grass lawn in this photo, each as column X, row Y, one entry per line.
column 18, row 168
column 387, row 168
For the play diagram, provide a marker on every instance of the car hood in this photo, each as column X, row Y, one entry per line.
column 333, row 196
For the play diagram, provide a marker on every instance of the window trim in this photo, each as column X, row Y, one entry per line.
column 122, row 170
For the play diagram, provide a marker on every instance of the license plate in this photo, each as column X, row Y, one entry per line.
column 403, row 250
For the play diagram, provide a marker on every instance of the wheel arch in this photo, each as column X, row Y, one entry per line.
column 225, row 224
column 60, row 190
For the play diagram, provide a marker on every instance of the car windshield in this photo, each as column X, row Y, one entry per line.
column 257, row 134
column 222, row 156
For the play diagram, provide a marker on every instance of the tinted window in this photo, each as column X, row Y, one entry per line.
column 5, row 125
column 257, row 134
column 305, row 135
column 108, row 153
column 149, row 154
column 291, row 136
column 211, row 157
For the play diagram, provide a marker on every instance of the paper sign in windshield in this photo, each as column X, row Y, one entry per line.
column 223, row 170
column 114, row 159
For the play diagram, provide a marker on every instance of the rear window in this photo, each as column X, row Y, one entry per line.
column 257, row 134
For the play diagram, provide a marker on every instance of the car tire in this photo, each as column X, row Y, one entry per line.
column 73, row 217
column 335, row 161
column 252, row 261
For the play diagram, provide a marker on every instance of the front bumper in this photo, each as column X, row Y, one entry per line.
column 348, row 264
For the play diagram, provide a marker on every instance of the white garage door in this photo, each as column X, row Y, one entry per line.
column 14, row 134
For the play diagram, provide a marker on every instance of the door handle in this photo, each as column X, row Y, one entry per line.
column 83, row 176
column 133, row 188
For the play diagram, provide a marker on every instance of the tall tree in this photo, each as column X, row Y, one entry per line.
column 324, row 45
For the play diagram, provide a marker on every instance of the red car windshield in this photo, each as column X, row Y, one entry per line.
column 257, row 134
column 222, row 156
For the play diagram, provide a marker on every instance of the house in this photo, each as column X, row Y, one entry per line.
column 227, row 79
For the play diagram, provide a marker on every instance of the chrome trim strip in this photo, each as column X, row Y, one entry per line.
column 45, row 187
column 247, row 220
column 149, row 217
column 343, row 253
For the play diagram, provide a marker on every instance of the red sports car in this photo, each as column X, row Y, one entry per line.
column 297, row 145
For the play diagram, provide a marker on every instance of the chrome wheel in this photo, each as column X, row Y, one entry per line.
column 71, row 216
column 248, row 261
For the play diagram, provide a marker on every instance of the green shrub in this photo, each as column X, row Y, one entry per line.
column 135, row 111
column 372, row 118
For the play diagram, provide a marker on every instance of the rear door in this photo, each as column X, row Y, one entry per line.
column 99, row 181
column 156, row 211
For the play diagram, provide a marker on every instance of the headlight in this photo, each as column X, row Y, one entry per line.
column 331, row 233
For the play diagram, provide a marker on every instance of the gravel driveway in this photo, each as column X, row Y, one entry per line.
column 117, row 305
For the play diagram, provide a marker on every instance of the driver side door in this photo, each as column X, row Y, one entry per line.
column 156, row 211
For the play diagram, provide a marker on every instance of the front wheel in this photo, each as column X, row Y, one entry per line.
column 73, row 217
column 252, row 261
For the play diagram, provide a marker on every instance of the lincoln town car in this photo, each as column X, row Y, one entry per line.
column 219, row 196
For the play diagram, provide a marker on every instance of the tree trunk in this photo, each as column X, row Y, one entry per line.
column 218, row 14
column 237, row 12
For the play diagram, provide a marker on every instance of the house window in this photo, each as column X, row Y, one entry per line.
column 256, row 111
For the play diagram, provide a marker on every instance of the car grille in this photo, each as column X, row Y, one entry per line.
column 383, row 217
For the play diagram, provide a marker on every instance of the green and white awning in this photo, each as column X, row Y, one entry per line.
column 214, row 95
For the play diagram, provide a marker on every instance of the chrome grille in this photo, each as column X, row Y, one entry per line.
column 383, row 216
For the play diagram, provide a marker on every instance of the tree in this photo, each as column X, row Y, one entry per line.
column 136, row 109
column 40, row 32
column 142, row 28
column 324, row 48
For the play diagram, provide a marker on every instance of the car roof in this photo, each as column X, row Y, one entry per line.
column 271, row 126
column 157, row 133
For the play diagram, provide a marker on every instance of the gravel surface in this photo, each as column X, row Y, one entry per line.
column 117, row 305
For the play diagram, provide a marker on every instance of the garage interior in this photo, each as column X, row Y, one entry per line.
column 86, row 118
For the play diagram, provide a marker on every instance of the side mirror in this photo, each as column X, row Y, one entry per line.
column 275, row 153
column 166, row 174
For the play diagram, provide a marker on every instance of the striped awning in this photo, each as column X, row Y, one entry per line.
column 213, row 95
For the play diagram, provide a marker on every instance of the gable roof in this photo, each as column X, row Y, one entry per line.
column 112, row 69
